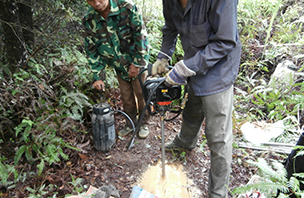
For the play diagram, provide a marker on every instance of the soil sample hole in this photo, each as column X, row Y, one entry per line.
column 175, row 184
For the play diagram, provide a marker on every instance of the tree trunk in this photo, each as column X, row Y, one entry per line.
column 26, row 20
column 16, row 53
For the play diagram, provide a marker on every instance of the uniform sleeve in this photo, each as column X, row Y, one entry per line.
column 97, row 64
column 169, row 31
column 141, row 48
column 223, row 38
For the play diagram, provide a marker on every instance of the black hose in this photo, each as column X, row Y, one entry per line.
column 133, row 126
column 141, row 116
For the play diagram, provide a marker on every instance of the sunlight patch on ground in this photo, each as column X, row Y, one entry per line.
column 175, row 184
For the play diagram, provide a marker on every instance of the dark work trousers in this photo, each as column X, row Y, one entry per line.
column 132, row 99
column 217, row 110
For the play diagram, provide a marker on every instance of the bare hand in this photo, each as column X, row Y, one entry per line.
column 99, row 84
column 133, row 71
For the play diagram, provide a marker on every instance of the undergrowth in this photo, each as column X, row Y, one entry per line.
column 263, row 28
column 273, row 180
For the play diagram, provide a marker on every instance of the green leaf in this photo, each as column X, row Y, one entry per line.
column 40, row 167
column 300, row 175
column 27, row 129
column 28, row 154
column 18, row 78
column 25, row 123
column 294, row 184
column 3, row 173
column 35, row 148
column 25, row 137
column 71, row 147
column 52, row 153
column 19, row 153
column 57, row 140
column 18, row 129
column 14, row 91
column 299, row 153
column 29, row 122
column 63, row 155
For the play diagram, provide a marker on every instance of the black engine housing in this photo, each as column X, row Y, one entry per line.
column 160, row 92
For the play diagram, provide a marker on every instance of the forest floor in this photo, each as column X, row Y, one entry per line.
column 124, row 168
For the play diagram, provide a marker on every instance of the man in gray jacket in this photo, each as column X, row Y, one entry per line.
column 210, row 40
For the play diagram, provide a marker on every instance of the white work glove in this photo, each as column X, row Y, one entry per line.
column 160, row 66
column 178, row 74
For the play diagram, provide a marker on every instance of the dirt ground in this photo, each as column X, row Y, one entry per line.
column 123, row 168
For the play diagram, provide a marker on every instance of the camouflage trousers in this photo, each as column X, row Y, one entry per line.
column 216, row 110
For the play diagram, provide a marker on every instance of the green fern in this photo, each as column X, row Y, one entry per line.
column 73, row 104
column 37, row 193
column 273, row 178
column 76, row 183
column 40, row 167
column 300, row 152
column 300, row 175
column 41, row 145
column 5, row 171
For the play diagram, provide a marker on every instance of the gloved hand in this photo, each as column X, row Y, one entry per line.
column 178, row 74
column 160, row 66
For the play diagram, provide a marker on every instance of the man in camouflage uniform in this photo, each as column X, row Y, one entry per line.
column 116, row 36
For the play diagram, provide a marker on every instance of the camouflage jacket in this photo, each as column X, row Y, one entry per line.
column 118, row 41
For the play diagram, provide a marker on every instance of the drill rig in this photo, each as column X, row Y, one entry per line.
column 159, row 96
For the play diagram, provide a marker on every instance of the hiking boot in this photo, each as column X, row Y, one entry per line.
column 143, row 131
column 173, row 147
column 125, row 131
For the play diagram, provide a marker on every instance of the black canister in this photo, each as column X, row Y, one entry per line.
column 103, row 127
